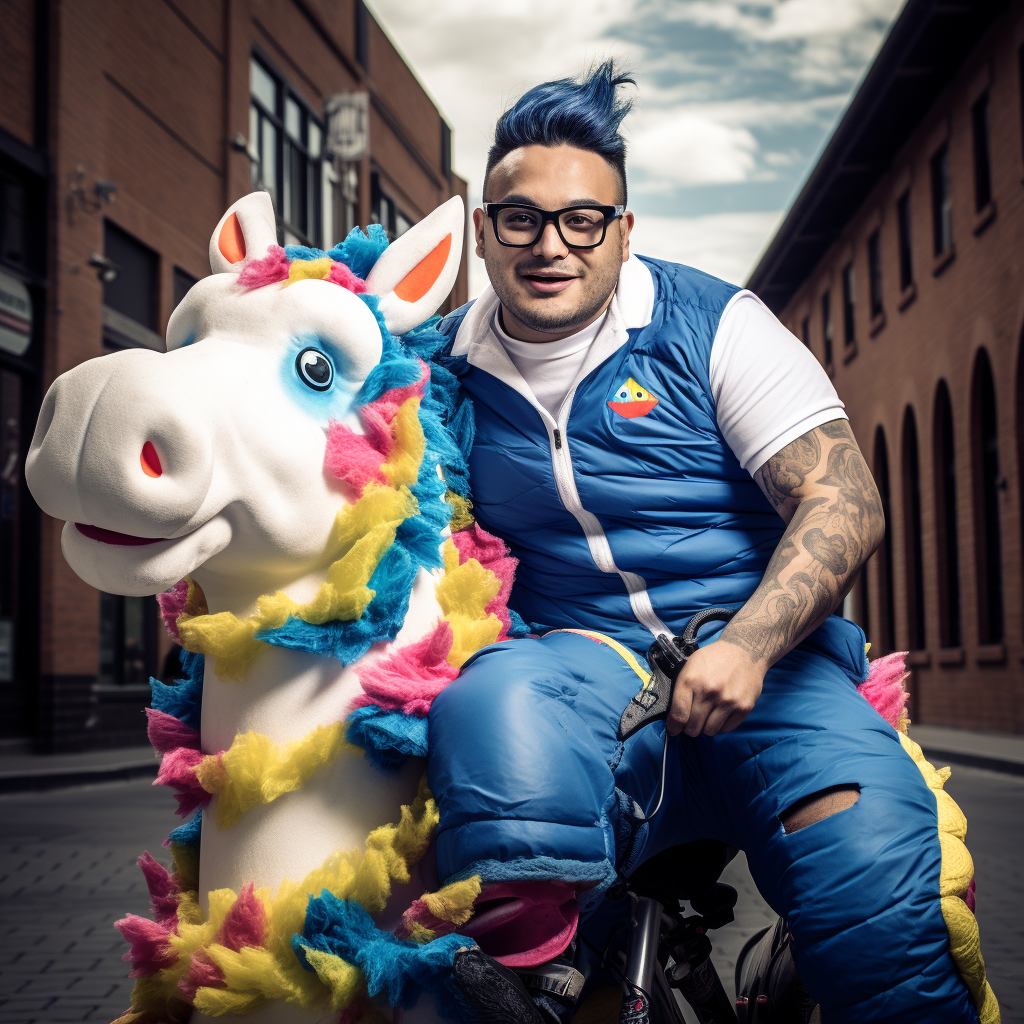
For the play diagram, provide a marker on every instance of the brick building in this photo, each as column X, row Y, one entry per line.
column 126, row 128
column 901, row 265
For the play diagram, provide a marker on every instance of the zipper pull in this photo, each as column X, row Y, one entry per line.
column 558, row 438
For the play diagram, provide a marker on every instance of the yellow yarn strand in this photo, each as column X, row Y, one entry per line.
column 462, row 511
column 955, row 874
column 454, row 903
column 255, row 770
column 463, row 592
column 305, row 270
column 362, row 533
column 256, row 974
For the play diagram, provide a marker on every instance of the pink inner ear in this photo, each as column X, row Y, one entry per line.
column 231, row 241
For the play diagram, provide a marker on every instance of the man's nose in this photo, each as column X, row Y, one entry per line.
column 550, row 245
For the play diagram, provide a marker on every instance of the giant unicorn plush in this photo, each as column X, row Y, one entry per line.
column 295, row 472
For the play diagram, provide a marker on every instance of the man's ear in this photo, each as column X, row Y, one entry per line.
column 627, row 227
column 245, row 232
column 479, row 219
column 417, row 271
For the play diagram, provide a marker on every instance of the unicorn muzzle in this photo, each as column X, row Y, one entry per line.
column 120, row 451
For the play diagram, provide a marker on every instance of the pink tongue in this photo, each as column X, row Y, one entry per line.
column 112, row 536
column 522, row 924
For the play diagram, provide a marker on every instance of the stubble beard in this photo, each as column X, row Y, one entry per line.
column 596, row 286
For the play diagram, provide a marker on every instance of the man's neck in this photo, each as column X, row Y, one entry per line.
column 515, row 328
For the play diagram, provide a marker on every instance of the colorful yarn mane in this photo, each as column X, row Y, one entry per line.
column 408, row 481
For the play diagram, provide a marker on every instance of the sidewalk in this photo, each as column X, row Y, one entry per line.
column 997, row 751
column 24, row 771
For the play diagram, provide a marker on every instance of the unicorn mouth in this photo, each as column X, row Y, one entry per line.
column 97, row 533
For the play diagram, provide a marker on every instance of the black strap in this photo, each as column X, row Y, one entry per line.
column 559, row 979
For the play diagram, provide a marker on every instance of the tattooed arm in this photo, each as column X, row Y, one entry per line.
column 823, row 490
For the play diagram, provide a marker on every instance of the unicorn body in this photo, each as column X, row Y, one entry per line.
column 281, row 468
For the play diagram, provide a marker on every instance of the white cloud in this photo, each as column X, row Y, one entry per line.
column 687, row 148
column 724, row 244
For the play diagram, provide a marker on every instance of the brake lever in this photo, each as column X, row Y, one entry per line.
column 666, row 658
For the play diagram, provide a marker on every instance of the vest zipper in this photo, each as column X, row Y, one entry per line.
column 597, row 539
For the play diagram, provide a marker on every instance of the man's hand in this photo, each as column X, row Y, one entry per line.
column 715, row 691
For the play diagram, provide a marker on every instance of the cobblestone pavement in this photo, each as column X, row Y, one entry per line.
column 67, row 870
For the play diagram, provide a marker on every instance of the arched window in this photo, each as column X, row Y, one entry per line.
column 912, row 556
column 987, row 486
column 885, row 638
column 947, row 548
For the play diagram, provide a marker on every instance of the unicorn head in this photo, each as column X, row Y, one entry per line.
column 209, row 459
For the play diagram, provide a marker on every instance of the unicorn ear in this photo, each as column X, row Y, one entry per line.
column 415, row 273
column 245, row 232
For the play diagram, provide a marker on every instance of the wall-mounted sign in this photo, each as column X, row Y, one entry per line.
column 15, row 316
column 348, row 125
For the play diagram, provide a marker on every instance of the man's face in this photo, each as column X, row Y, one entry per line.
column 549, row 291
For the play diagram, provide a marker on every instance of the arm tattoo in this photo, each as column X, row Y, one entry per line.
column 821, row 486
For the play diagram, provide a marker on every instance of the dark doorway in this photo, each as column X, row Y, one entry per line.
column 912, row 553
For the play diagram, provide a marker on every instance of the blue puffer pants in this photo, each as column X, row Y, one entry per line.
column 533, row 784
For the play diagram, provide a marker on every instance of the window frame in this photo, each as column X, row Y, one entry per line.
column 289, row 150
column 904, row 231
column 981, row 149
column 827, row 328
column 849, row 307
column 942, row 204
column 876, row 305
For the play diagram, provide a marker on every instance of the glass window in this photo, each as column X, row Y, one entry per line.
column 849, row 322
column 183, row 281
column 990, row 484
column 128, row 639
column 826, row 326
column 913, row 556
column 942, row 209
column 10, row 519
column 286, row 145
column 875, row 273
column 946, row 533
column 293, row 119
column 982, row 164
column 906, row 252
column 133, row 291
column 263, row 86
column 885, row 638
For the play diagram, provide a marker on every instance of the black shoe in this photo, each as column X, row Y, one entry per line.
column 491, row 991
column 555, row 986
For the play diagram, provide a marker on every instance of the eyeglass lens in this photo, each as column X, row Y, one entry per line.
column 580, row 227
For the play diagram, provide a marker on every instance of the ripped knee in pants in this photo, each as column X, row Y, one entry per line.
column 819, row 806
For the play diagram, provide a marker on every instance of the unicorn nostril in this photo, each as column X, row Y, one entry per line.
column 150, row 460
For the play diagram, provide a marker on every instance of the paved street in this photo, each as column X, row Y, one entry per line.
column 67, row 871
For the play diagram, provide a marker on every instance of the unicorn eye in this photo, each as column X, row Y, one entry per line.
column 314, row 369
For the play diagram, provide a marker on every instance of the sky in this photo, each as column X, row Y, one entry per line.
column 735, row 99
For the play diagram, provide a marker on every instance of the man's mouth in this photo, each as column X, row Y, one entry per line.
column 547, row 282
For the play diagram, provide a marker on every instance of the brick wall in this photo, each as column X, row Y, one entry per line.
column 970, row 299
column 147, row 94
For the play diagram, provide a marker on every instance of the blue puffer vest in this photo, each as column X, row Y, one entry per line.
column 667, row 521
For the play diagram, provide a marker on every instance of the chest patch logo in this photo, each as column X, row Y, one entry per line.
column 632, row 400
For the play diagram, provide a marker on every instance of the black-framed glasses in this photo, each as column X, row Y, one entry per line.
column 579, row 227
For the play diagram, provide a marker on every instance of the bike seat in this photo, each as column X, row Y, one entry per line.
column 682, row 872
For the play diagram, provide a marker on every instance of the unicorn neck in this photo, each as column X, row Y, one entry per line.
column 240, row 594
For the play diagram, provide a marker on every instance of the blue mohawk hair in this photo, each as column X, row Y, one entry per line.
column 584, row 112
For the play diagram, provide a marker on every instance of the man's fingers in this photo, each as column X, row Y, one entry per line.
column 679, row 712
column 699, row 711
column 718, row 720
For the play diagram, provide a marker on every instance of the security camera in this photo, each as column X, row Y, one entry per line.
column 106, row 269
column 105, row 190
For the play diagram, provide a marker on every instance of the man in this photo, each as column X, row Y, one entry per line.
column 650, row 441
